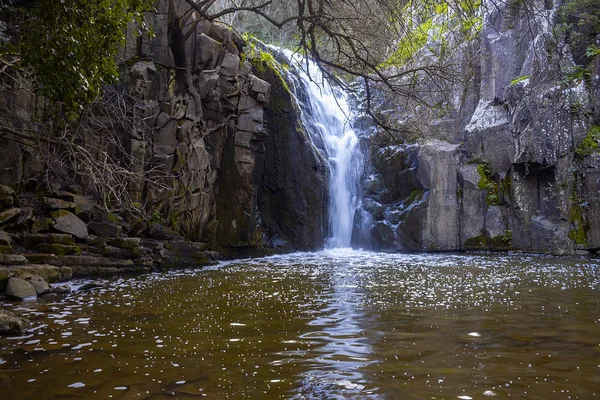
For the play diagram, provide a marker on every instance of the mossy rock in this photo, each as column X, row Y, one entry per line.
column 59, row 249
column 498, row 243
column 6, row 250
column 476, row 243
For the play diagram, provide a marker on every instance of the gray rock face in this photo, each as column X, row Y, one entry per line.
column 522, row 179
column 68, row 222
column 40, row 285
column 199, row 146
column 420, row 209
column 20, row 289
column 292, row 194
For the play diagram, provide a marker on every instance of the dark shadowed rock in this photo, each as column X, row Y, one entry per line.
column 105, row 229
column 90, row 286
column 8, row 197
column 62, row 289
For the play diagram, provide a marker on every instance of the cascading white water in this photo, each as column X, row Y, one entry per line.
column 326, row 114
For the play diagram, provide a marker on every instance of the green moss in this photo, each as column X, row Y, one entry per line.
column 506, row 185
column 486, row 182
column 498, row 243
column 59, row 213
column 576, row 75
column 519, row 79
column 263, row 61
column 476, row 243
column 507, row 237
column 589, row 144
column 114, row 218
column 6, row 250
column 59, row 249
column 578, row 233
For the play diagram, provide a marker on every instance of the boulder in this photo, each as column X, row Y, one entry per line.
column 68, row 222
column 49, row 273
column 40, row 258
column 40, row 285
column 60, row 238
column 8, row 197
column 118, row 252
column 9, row 215
column 65, row 274
column 62, row 289
column 90, row 286
column 20, row 289
column 59, row 249
column 10, row 324
column 158, row 232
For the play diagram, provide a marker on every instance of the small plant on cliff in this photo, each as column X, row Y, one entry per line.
column 519, row 79
column 507, row 237
column 486, row 182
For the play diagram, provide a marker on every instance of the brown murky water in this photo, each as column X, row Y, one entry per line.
column 329, row 325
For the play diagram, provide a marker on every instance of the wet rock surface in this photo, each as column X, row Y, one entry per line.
column 10, row 324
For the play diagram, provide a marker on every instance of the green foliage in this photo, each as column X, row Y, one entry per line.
column 592, row 51
column 461, row 17
column 70, row 46
column 156, row 217
column 486, row 182
column 507, row 237
column 519, row 79
column 577, row 74
column 589, row 144
column 262, row 60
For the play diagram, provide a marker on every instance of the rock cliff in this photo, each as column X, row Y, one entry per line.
column 512, row 162
column 207, row 150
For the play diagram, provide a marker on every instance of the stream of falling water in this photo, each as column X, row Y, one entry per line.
column 327, row 117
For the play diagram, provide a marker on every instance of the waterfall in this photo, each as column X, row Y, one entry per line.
column 327, row 118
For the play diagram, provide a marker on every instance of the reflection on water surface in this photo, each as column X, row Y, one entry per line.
column 329, row 325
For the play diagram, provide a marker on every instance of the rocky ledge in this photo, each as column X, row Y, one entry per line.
column 54, row 237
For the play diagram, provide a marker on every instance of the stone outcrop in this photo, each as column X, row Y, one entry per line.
column 211, row 154
column 506, row 167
